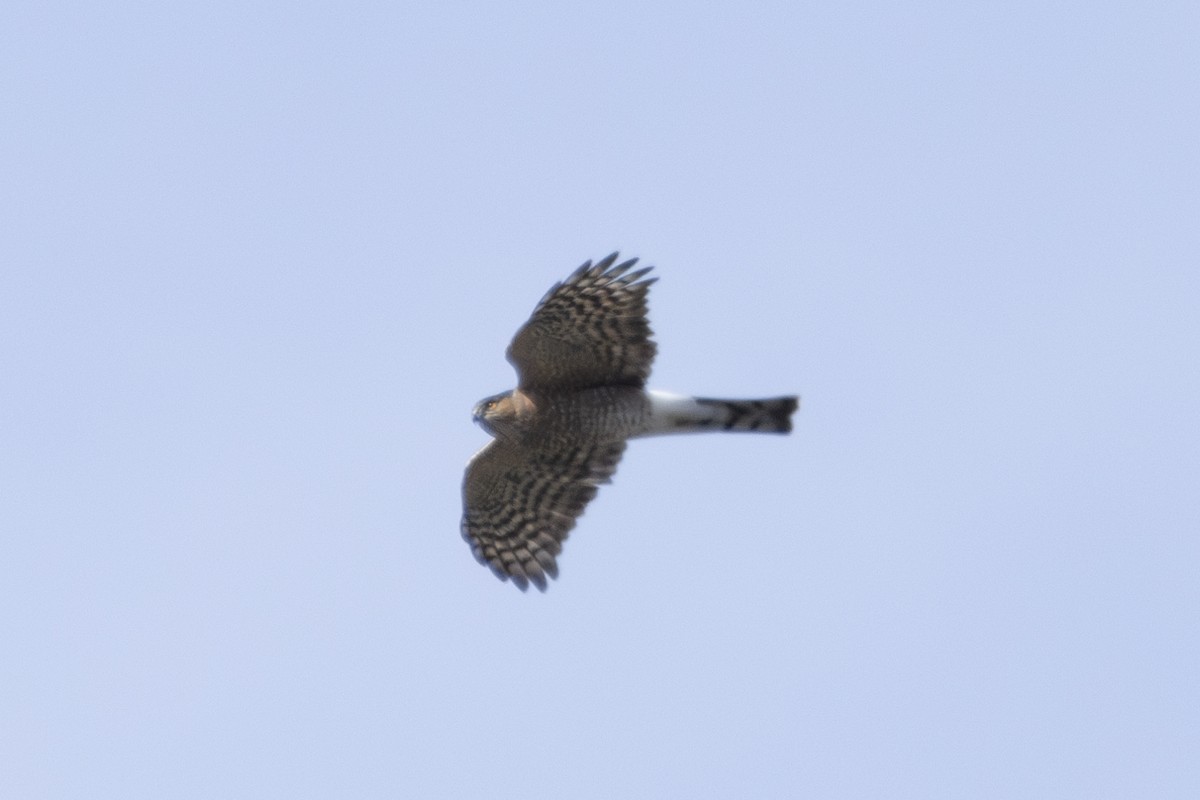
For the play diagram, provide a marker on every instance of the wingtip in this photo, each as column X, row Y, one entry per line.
column 638, row 274
column 521, row 577
column 608, row 260
column 608, row 270
column 622, row 268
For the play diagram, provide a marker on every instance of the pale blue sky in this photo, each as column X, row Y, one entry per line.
column 260, row 260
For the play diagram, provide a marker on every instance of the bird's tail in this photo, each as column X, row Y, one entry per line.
column 671, row 413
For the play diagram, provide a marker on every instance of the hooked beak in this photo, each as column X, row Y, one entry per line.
column 478, row 418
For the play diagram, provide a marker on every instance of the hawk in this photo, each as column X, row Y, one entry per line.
column 582, row 361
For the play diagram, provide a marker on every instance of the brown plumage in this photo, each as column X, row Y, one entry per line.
column 582, row 362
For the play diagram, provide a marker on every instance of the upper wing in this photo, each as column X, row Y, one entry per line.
column 520, row 503
column 589, row 330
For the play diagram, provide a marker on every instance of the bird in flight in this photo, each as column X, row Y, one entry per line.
column 582, row 361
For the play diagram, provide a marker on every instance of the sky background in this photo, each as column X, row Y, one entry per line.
column 258, row 262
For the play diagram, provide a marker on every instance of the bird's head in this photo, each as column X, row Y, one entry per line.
column 504, row 414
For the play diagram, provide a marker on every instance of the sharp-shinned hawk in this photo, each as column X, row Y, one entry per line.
column 582, row 361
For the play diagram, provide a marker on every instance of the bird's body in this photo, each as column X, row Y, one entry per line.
column 583, row 359
column 601, row 413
